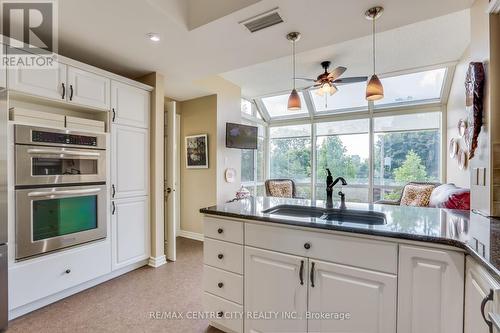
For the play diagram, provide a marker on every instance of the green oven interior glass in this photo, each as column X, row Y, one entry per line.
column 57, row 217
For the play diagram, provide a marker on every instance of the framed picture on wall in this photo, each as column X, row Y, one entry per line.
column 197, row 151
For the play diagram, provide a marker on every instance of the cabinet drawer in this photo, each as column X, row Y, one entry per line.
column 40, row 277
column 224, row 284
column 223, row 255
column 375, row 255
column 230, row 315
column 226, row 230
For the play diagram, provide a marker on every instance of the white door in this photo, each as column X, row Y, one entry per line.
column 477, row 287
column 130, row 105
column 430, row 290
column 129, row 161
column 171, row 174
column 273, row 285
column 130, row 231
column 360, row 300
column 48, row 83
column 88, row 89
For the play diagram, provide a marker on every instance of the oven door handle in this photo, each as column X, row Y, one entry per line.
column 63, row 192
column 63, row 152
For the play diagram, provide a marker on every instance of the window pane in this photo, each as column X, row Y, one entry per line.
column 290, row 131
column 405, row 153
column 352, row 194
column 246, row 107
column 261, row 165
column 416, row 121
column 347, row 97
column 247, row 165
column 343, row 127
column 291, row 158
column 411, row 88
column 277, row 106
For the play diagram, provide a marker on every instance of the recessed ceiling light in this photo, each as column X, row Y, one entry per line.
column 153, row 37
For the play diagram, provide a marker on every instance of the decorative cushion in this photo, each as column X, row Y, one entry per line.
column 451, row 197
column 281, row 189
column 416, row 195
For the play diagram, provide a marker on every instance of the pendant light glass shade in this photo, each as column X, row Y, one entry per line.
column 294, row 103
column 374, row 89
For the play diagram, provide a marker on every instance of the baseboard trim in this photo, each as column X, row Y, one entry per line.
column 191, row 235
column 157, row 261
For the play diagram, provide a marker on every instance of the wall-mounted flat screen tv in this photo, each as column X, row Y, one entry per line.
column 241, row 136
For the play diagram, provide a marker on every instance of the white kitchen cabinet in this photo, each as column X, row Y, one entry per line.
column 363, row 300
column 273, row 285
column 130, row 105
column 47, row 82
column 3, row 69
column 129, row 231
column 478, row 284
column 88, row 89
column 129, row 161
column 430, row 290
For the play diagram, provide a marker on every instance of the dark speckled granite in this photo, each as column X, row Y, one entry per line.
column 477, row 235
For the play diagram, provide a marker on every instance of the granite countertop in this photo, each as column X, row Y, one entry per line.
column 477, row 235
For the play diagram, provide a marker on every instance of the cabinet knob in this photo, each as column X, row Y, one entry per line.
column 220, row 230
column 220, row 314
column 220, row 256
column 67, row 271
column 220, row 284
column 307, row 246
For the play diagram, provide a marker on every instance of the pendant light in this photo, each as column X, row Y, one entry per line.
column 294, row 103
column 374, row 88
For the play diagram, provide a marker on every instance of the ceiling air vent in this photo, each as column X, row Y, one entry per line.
column 263, row 21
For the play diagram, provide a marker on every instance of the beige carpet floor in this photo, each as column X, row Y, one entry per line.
column 124, row 304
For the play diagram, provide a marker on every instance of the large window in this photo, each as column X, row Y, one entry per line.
column 277, row 106
column 349, row 97
column 290, row 156
column 343, row 147
column 407, row 148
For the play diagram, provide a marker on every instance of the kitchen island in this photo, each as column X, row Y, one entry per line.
column 332, row 273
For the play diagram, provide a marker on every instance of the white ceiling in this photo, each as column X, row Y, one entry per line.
column 111, row 33
column 427, row 43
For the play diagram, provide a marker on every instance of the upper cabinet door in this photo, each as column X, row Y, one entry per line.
column 129, row 161
column 368, row 297
column 48, row 83
column 130, row 105
column 88, row 89
column 273, row 284
column 3, row 69
column 430, row 290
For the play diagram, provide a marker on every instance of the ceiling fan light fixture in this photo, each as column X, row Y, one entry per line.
column 294, row 102
column 374, row 89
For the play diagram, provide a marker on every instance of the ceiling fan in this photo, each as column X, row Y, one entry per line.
column 328, row 81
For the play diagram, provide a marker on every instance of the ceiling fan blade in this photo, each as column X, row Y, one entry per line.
column 348, row 80
column 305, row 79
column 310, row 87
column 337, row 72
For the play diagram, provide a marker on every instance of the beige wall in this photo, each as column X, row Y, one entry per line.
column 198, row 186
column 456, row 111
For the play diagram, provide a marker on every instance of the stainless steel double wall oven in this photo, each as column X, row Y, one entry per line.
column 60, row 185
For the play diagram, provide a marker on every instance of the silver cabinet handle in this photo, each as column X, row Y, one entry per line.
column 485, row 300
column 63, row 192
column 63, row 152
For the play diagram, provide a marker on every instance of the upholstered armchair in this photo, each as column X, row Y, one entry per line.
column 281, row 188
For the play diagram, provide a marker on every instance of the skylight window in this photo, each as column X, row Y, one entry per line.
column 277, row 106
column 350, row 96
column 421, row 87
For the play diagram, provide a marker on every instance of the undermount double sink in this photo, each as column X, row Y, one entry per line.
column 334, row 215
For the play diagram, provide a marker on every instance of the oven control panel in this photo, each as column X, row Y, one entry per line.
column 62, row 138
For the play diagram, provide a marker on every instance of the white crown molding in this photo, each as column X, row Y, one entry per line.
column 494, row 7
